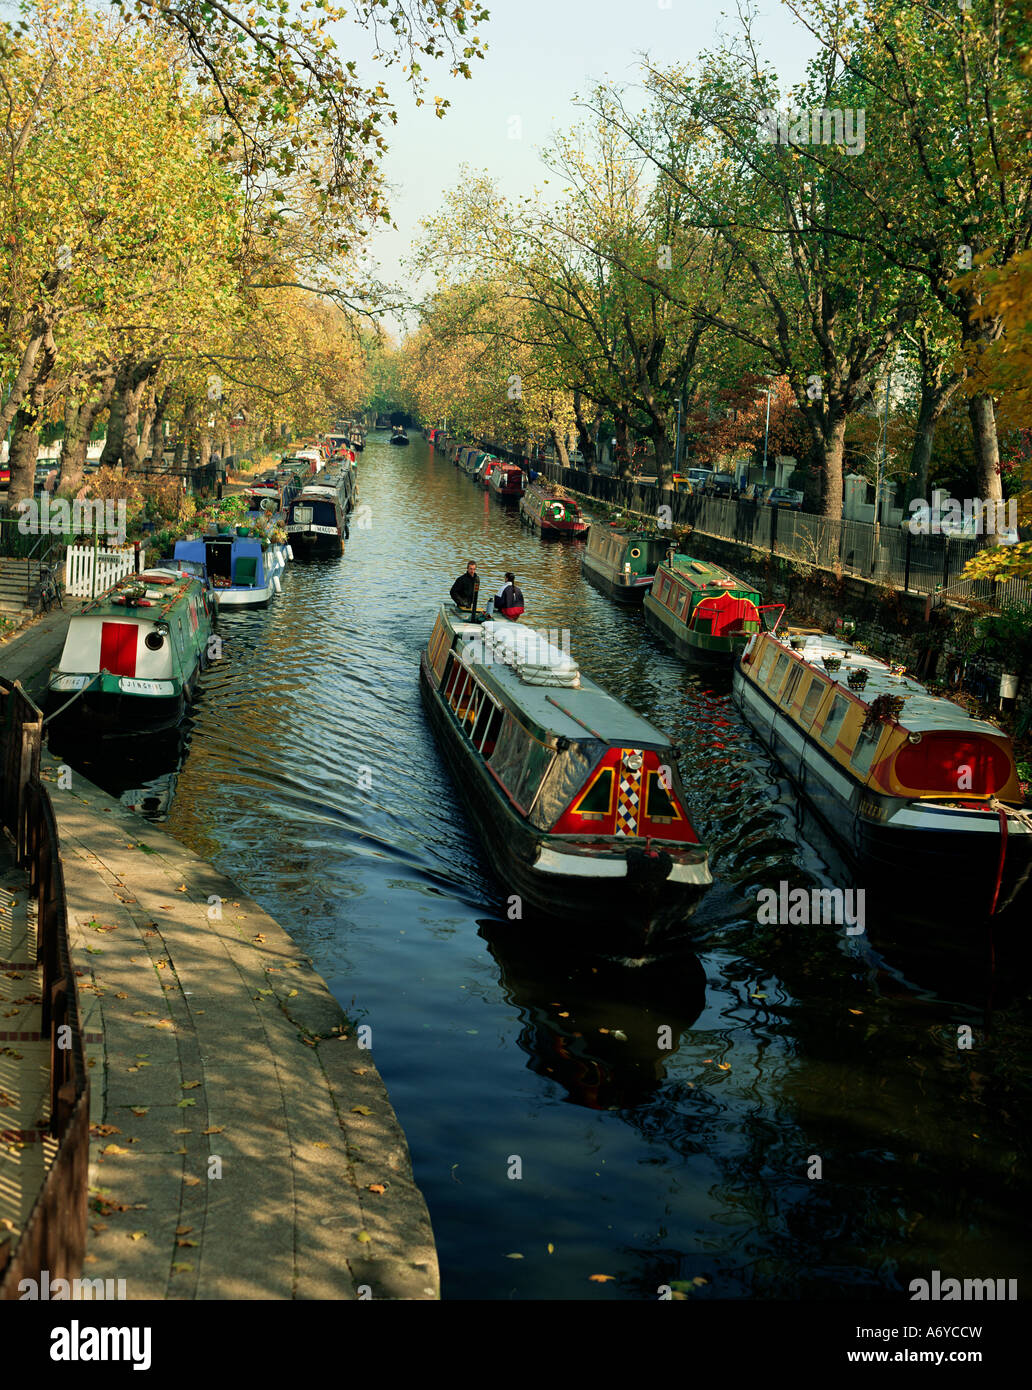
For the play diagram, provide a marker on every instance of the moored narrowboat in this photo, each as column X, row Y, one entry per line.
column 235, row 567
column 922, row 797
column 133, row 656
column 317, row 522
column 622, row 563
column 701, row 610
column 577, row 798
column 545, row 507
column 505, row 480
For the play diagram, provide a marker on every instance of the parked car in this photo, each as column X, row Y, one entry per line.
column 697, row 476
column 681, row 483
column 722, row 485
column 785, row 497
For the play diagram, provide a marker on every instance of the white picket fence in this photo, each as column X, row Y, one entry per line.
column 90, row 572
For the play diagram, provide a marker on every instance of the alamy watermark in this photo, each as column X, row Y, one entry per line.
column 46, row 1289
column 950, row 1290
column 838, row 126
column 946, row 516
column 524, row 645
column 55, row 516
column 795, row 907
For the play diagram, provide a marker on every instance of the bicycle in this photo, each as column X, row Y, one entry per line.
column 49, row 589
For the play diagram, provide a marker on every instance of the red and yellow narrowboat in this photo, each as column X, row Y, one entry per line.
column 577, row 798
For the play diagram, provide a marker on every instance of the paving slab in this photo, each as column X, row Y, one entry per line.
column 228, row 1085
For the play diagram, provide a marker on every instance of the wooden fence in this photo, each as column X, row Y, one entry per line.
column 91, row 571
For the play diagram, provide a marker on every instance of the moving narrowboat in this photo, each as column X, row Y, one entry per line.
column 622, row 563
column 235, row 567
column 701, row 610
column 317, row 522
column 398, row 436
column 505, row 480
column 135, row 654
column 578, row 799
column 545, row 507
column 921, row 796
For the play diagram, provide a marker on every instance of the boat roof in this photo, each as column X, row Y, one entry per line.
column 703, row 574
column 922, row 713
column 574, row 712
column 162, row 594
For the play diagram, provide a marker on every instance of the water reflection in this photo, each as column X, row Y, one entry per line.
column 312, row 778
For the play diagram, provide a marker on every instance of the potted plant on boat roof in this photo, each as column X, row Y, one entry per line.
column 831, row 663
column 884, row 709
column 857, row 677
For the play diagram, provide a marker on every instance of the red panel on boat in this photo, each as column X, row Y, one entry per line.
column 951, row 763
column 118, row 648
column 728, row 613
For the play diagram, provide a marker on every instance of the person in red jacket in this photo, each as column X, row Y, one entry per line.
column 509, row 599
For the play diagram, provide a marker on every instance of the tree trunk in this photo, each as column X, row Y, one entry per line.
column 831, row 460
column 585, row 440
column 559, row 444
column 987, row 447
column 80, row 417
column 664, row 452
column 186, row 426
column 122, row 444
column 23, row 451
column 623, row 452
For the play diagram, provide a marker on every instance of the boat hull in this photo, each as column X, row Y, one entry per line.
column 696, row 646
column 905, row 851
column 615, row 587
column 632, row 915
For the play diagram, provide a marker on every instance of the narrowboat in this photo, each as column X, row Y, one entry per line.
column 236, row 568
column 547, row 508
column 133, row 656
column 398, row 436
column 701, row 610
column 577, row 799
column 923, row 798
column 622, row 563
column 317, row 522
column 505, row 480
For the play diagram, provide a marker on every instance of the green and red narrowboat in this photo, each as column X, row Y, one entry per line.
column 703, row 611
column 622, row 563
column 577, row 798
column 548, row 509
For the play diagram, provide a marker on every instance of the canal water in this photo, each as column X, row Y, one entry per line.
column 785, row 1113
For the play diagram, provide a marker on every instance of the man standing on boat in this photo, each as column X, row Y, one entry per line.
column 464, row 590
column 509, row 599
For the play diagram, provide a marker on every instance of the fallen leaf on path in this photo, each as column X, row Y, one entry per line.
column 601, row 1278
column 377, row 1187
column 213, row 1129
column 364, row 1237
column 361, row 1110
column 189, row 1085
column 137, row 1235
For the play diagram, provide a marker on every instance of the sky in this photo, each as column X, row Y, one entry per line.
column 541, row 54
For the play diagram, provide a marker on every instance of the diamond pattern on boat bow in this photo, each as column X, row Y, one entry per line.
column 629, row 796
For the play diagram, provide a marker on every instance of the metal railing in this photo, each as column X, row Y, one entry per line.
column 54, row 1235
column 889, row 555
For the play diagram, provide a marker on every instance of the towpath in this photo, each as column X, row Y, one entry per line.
column 243, row 1144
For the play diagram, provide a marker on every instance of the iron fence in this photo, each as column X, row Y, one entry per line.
column 54, row 1235
column 889, row 555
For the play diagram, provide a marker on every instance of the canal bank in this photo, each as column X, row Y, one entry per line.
column 242, row 1142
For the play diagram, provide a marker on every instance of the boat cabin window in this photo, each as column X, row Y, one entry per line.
column 520, row 762
column 791, row 683
column 485, row 735
column 597, row 801
column 833, row 719
column 811, row 701
column 659, row 804
column 779, row 672
column 766, row 663
column 866, row 747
